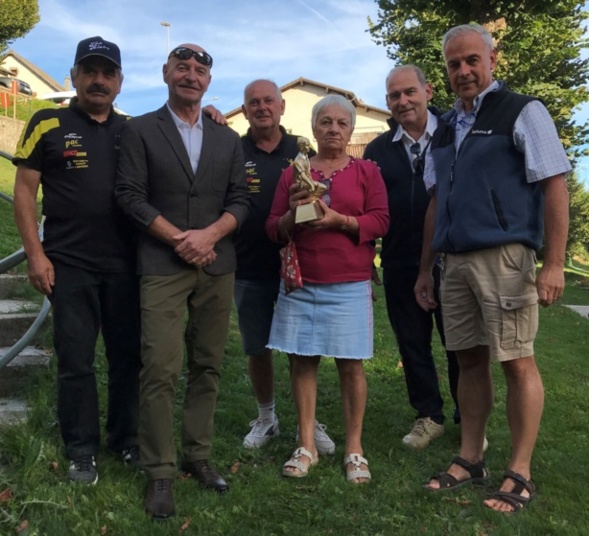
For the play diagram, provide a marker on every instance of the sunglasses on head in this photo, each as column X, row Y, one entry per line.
column 184, row 53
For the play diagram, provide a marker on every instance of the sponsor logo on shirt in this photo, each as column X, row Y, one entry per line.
column 75, row 156
column 482, row 132
column 253, row 181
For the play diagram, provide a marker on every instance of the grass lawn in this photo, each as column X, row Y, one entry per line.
column 10, row 241
column 36, row 500
column 261, row 502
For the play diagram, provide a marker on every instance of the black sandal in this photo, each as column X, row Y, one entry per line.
column 514, row 498
column 477, row 475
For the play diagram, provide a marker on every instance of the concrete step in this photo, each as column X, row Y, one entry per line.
column 14, row 325
column 16, row 374
column 12, row 411
column 9, row 306
column 16, row 316
column 11, row 285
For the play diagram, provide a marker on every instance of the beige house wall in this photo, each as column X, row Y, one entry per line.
column 297, row 115
column 37, row 84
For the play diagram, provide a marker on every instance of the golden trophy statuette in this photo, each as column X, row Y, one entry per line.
column 302, row 176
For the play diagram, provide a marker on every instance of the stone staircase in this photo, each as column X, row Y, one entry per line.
column 16, row 316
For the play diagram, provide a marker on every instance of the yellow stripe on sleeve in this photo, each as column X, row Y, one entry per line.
column 26, row 147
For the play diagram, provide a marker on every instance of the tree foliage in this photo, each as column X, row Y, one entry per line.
column 539, row 45
column 17, row 18
column 578, row 239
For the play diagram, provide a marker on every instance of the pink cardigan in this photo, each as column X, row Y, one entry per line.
column 335, row 256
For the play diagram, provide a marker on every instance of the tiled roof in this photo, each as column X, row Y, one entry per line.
column 301, row 81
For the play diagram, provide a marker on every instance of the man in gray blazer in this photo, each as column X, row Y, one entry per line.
column 181, row 177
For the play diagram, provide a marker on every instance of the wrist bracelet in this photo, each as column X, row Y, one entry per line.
column 344, row 227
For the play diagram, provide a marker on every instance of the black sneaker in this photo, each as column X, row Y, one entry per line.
column 83, row 470
column 130, row 456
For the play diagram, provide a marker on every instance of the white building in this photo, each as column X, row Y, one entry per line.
column 301, row 94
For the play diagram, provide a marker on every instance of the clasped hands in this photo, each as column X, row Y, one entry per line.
column 195, row 247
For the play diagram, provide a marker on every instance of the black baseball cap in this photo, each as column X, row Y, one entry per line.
column 96, row 46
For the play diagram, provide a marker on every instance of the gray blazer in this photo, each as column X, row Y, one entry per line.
column 155, row 177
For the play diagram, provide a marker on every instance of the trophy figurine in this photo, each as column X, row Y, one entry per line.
column 302, row 177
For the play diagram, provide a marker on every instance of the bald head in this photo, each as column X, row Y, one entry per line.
column 187, row 74
column 405, row 68
column 187, row 51
column 262, row 107
column 407, row 97
column 261, row 82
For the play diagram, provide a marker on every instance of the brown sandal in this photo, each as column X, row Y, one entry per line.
column 514, row 498
column 478, row 475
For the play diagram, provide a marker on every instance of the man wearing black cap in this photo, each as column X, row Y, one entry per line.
column 85, row 264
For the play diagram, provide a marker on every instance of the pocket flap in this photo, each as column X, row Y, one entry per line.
column 517, row 302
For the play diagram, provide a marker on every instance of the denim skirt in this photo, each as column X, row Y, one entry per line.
column 325, row 319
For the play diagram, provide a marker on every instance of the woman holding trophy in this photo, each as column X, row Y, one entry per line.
column 333, row 207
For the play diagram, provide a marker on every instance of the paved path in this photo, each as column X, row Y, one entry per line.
column 583, row 310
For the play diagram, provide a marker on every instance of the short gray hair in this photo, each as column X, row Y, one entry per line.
column 271, row 82
column 409, row 67
column 465, row 29
column 333, row 100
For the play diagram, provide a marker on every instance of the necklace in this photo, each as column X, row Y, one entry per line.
column 331, row 170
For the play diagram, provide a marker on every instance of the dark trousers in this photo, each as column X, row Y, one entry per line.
column 413, row 329
column 164, row 301
column 84, row 303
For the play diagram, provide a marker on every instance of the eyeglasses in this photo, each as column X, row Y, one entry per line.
column 417, row 162
column 184, row 53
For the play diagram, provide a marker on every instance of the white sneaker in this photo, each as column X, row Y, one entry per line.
column 83, row 470
column 422, row 432
column 323, row 442
column 263, row 430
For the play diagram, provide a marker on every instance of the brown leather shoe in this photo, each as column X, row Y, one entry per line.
column 159, row 501
column 206, row 475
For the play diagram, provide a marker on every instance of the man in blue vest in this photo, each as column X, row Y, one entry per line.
column 497, row 172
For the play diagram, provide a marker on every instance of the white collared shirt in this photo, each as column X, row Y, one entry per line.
column 408, row 141
column 464, row 120
column 191, row 136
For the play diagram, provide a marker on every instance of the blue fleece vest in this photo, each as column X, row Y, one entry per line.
column 483, row 199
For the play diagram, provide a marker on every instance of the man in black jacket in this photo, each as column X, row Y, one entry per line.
column 400, row 155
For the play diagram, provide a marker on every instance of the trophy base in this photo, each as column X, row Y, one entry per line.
column 308, row 212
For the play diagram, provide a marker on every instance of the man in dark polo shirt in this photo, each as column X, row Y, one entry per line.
column 268, row 150
column 85, row 264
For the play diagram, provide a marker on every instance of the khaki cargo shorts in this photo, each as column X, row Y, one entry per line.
column 489, row 298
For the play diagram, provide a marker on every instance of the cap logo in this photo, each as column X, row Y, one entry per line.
column 97, row 45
